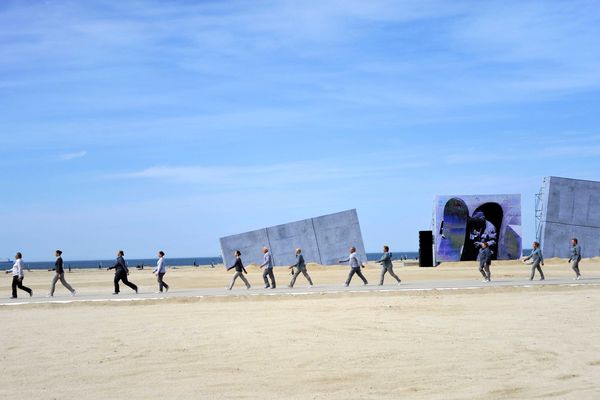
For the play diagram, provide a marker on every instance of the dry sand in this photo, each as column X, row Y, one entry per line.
column 539, row 342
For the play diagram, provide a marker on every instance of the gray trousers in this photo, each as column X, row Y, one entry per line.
column 534, row 266
column 268, row 273
column 485, row 271
column 358, row 272
column 60, row 277
column 575, row 267
column 241, row 276
column 390, row 270
column 297, row 272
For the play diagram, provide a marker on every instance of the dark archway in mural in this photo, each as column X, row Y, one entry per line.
column 483, row 225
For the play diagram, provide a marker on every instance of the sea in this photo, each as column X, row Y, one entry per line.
column 171, row 262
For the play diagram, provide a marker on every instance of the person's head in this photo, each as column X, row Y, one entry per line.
column 18, row 256
column 352, row 249
column 484, row 245
column 386, row 249
column 120, row 253
column 298, row 251
column 58, row 253
column 237, row 253
column 161, row 253
column 536, row 245
column 265, row 250
column 574, row 241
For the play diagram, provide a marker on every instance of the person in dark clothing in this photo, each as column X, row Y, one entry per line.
column 121, row 272
column 239, row 270
column 485, row 260
column 299, row 268
column 60, row 275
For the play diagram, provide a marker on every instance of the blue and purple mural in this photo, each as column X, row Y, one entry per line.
column 462, row 223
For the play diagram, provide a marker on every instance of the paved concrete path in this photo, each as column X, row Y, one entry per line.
column 240, row 291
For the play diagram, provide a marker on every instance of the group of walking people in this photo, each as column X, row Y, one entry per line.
column 485, row 260
column 120, row 267
column 299, row 267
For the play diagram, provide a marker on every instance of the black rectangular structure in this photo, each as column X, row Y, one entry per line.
column 425, row 248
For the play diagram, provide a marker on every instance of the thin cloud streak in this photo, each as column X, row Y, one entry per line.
column 73, row 156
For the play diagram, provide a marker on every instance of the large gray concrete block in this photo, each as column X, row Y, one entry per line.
column 336, row 233
column 323, row 240
column 249, row 244
column 571, row 209
column 285, row 239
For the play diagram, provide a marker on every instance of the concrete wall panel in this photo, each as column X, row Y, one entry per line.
column 571, row 209
column 249, row 243
column 285, row 239
column 336, row 233
column 323, row 240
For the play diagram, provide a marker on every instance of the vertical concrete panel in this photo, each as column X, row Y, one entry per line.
column 336, row 233
column 572, row 209
column 250, row 244
column 285, row 239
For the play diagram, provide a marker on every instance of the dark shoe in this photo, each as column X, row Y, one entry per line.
column 12, row 297
column 267, row 287
column 115, row 293
column 31, row 294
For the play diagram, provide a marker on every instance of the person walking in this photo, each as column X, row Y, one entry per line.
column 121, row 272
column 538, row 259
column 18, row 274
column 59, row 275
column 299, row 268
column 160, row 271
column 387, row 265
column 239, row 271
column 355, row 266
column 268, row 271
column 485, row 260
column 575, row 258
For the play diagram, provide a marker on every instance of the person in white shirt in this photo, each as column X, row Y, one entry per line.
column 18, row 276
column 160, row 271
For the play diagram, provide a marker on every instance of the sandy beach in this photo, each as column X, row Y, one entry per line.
column 538, row 342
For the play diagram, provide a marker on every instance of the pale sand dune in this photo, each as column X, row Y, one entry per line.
column 540, row 342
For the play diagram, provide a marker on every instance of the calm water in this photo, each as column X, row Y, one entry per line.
column 151, row 262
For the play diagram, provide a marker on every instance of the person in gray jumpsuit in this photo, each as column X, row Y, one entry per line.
column 300, row 267
column 387, row 265
column 485, row 260
column 538, row 259
column 575, row 257
column 355, row 266
column 268, row 269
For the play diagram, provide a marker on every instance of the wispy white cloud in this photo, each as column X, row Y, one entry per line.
column 292, row 173
column 73, row 155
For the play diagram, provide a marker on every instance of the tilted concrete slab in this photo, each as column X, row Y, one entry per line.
column 571, row 209
column 336, row 233
column 324, row 240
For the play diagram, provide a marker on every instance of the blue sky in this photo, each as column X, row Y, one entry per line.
column 144, row 124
